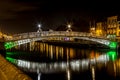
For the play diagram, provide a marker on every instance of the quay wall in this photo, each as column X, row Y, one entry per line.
column 9, row 72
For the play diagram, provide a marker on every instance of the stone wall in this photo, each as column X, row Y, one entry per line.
column 9, row 72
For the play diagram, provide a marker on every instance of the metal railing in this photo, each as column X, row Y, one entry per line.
column 51, row 34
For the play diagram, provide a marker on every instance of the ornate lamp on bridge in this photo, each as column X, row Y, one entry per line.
column 39, row 28
column 69, row 28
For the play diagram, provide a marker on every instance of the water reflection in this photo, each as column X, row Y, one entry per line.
column 93, row 72
column 75, row 65
column 57, row 53
column 39, row 74
column 68, row 74
column 46, row 58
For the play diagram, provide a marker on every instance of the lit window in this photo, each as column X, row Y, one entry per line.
column 119, row 33
column 114, row 25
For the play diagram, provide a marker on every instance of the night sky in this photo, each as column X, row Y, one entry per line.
column 19, row 16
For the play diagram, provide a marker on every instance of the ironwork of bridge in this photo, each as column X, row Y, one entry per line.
column 23, row 38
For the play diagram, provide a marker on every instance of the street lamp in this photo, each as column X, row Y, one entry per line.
column 69, row 28
column 39, row 28
column 39, row 25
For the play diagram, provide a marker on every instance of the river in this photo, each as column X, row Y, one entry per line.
column 44, row 61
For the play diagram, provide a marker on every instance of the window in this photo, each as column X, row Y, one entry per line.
column 109, row 26
column 119, row 33
column 119, row 26
column 114, row 25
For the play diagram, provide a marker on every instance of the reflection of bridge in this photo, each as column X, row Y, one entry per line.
column 75, row 65
column 23, row 38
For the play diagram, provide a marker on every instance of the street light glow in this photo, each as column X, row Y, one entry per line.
column 69, row 26
column 39, row 25
column 39, row 28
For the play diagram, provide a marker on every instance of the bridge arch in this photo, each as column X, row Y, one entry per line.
column 23, row 38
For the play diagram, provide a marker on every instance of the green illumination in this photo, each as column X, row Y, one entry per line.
column 113, row 45
column 9, row 45
column 112, row 55
column 11, row 59
column 10, row 53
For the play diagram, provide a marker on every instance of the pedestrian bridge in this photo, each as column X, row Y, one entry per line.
column 23, row 38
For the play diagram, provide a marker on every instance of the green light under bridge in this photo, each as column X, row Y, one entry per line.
column 11, row 59
column 113, row 45
column 9, row 45
column 112, row 55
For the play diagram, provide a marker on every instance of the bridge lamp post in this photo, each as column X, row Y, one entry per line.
column 69, row 28
column 39, row 28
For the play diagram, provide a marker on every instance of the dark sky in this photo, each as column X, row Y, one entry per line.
column 18, row 16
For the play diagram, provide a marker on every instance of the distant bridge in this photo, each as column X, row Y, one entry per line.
column 23, row 38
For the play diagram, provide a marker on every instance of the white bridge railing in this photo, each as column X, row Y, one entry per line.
column 50, row 34
column 35, row 36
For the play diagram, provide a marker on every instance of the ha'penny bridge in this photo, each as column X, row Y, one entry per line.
column 24, row 38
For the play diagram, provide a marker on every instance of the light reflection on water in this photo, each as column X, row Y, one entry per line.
column 65, row 59
column 76, row 65
column 59, row 52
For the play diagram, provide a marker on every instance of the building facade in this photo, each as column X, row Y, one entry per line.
column 101, row 29
column 92, row 29
column 113, row 28
column 109, row 28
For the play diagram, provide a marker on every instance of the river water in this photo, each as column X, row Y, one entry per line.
column 43, row 61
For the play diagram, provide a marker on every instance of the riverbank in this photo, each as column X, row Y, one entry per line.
column 9, row 72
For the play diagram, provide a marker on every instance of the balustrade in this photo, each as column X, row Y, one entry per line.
column 50, row 34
